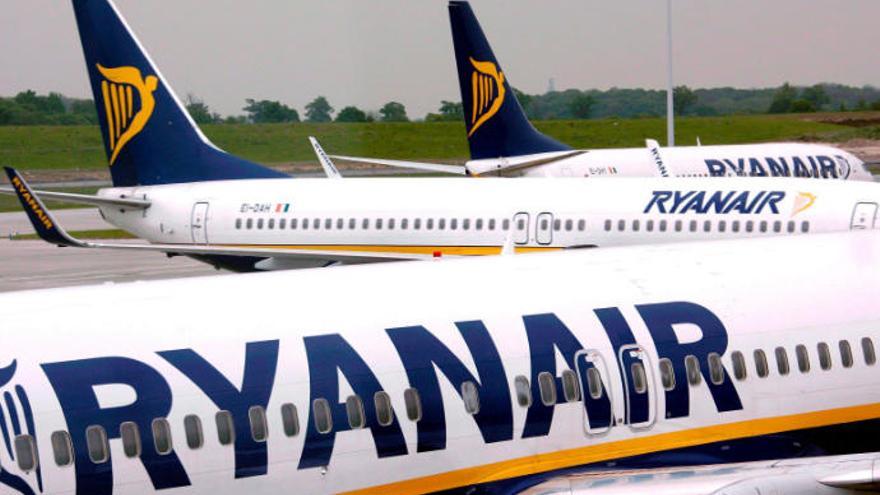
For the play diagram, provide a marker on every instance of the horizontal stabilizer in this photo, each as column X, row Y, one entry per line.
column 429, row 167
column 87, row 199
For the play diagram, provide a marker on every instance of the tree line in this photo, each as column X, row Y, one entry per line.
column 29, row 108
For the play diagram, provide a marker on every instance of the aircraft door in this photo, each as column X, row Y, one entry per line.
column 199, row 223
column 638, row 386
column 544, row 229
column 864, row 216
column 521, row 228
column 595, row 392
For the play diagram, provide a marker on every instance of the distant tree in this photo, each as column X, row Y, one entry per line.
column 449, row 111
column 842, row 107
column 267, row 112
column 525, row 101
column 683, row 99
column 783, row 99
column 581, row 106
column 235, row 119
column 802, row 106
column 875, row 105
column 816, row 95
column 319, row 110
column 351, row 114
column 199, row 111
column 393, row 112
column 862, row 105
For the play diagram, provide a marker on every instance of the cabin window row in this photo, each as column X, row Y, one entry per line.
column 490, row 224
column 735, row 226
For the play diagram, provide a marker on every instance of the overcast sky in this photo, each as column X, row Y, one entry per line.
column 367, row 52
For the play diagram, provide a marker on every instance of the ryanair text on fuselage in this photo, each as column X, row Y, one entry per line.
column 795, row 166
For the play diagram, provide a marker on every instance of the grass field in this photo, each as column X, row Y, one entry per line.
column 35, row 148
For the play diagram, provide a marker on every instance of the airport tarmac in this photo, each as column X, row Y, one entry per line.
column 39, row 265
column 72, row 219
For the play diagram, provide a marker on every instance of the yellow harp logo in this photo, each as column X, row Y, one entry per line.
column 802, row 202
column 488, row 93
column 119, row 87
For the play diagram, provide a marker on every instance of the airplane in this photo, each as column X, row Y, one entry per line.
column 504, row 143
column 732, row 367
column 184, row 196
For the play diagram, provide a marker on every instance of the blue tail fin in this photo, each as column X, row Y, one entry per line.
column 149, row 137
column 495, row 121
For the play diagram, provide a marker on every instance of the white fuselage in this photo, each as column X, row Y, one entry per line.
column 743, row 160
column 461, row 348
column 467, row 217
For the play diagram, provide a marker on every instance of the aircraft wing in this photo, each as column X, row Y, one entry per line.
column 513, row 164
column 430, row 167
column 813, row 475
column 49, row 230
column 86, row 199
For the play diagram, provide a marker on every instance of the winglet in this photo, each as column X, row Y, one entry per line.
column 326, row 162
column 43, row 221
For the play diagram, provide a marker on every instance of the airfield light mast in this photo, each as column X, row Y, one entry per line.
column 670, row 108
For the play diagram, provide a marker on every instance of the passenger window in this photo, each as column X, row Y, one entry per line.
column 594, row 383
column 162, row 436
column 378, row 224
column 761, row 367
column 791, row 226
column 26, row 453
column 739, row 365
column 328, row 223
column 354, row 410
column 523, row 391
column 352, row 223
column 404, row 223
column 722, row 226
column 505, row 224
column 777, row 226
column 453, row 224
column 805, row 226
column 868, row 351
column 707, row 226
column 570, row 387
column 750, row 226
column 621, row 225
column 662, row 225
column 290, row 419
column 824, row 356
column 569, row 225
column 649, row 226
column 667, row 374
column 716, row 369
column 429, row 224
column 192, row 428
column 693, row 225
column 491, row 224
column 479, row 224
column 62, row 448
column 225, row 427
column 763, row 225
column 96, row 441
column 803, row 358
column 384, row 411
column 441, row 224
column 260, row 223
column 466, row 224
column 238, row 223
column 259, row 425
column 846, row 358
column 678, row 225
column 131, row 439
column 640, row 382
column 417, row 224
column 323, row 418
column 557, row 224
column 316, row 224
column 271, row 223
column 471, row 397
column 250, row 223
column 607, row 225
column 282, row 223
column 582, row 225
column 692, row 366
column 635, row 226
column 365, row 224
column 734, row 226
column 413, row 404
column 340, row 223
column 547, row 387
column 293, row 223
column 781, row 360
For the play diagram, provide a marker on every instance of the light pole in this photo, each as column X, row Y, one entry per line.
column 670, row 108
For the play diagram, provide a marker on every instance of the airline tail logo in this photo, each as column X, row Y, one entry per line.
column 122, row 87
column 488, row 93
column 802, row 202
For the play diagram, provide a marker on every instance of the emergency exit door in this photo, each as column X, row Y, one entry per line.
column 199, row 223
column 864, row 216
